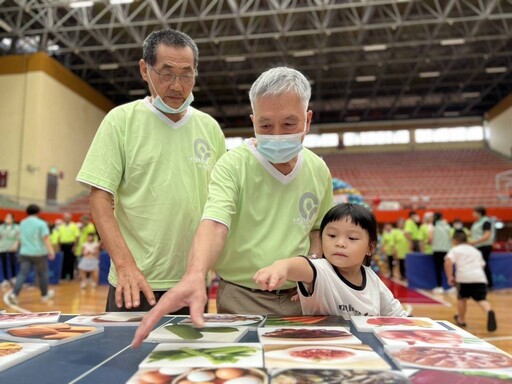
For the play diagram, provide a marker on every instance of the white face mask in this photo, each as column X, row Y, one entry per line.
column 159, row 104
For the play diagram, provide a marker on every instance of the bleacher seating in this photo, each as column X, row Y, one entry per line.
column 455, row 178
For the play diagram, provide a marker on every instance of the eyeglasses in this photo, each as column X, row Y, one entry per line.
column 167, row 77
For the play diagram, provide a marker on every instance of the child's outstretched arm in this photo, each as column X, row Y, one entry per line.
column 275, row 275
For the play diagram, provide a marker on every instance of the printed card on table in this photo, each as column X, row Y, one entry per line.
column 368, row 324
column 106, row 319
column 306, row 321
column 359, row 356
column 307, row 335
column 450, row 359
column 360, row 376
column 12, row 353
column 228, row 375
column 228, row 320
column 457, row 377
column 9, row 320
column 52, row 333
column 431, row 337
column 185, row 333
column 241, row 355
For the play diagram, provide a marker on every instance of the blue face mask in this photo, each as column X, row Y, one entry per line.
column 279, row 149
column 159, row 104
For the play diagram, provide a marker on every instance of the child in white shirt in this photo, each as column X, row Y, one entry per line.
column 339, row 283
column 90, row 261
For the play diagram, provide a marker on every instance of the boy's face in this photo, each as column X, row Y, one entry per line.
column 345, row 244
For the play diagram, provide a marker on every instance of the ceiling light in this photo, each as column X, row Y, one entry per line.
column 309, row 52
column 375, row 47
column 120, row 1
column 235, row 59
column 496, row 69
column 81, row 4
column 362, row 79
column 136, row 92
column 453, row 42
column 108, row 66
column 5, row 26
column 53, row 47
column 429, row 74
column 469, row 95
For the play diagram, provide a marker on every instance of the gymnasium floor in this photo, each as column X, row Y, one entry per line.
column 70, row 298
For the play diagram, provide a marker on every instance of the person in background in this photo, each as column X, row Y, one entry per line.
column 457, row 224
column 401, row 245
column 426, row 230
column 388, row 247
column 148, row 169
column 68, row 237
column 9, row 242
column 482, row 237
column 469, row 278
column 35, row 251
column 441, row 243
column 90, row 261
column 340, row 282
column 412, row 232
column 266, row 202
column 87, row 228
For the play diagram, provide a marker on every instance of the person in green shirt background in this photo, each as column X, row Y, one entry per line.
column 441, row 244
column 87, row 228
column 412, row 231
column 401, row 245
column 68, row 237
column 426, row 229
column 387, row 246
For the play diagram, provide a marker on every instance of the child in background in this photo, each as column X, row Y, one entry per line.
column 90, row 261
column 470, row 278
column 340, row 283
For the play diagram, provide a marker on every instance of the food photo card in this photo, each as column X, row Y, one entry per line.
column 423, row 376
column 53, row 334
column 430, row 337
column 12, row 353
column 336, row 376
column 227, row 320
column 241, row 355
column 450, row 359
column 185, row 333
column 368, row 324
column 306, row 321
column 323, row 356
column 307, row 335
column 106, row 319
column 9, row 320
column 228, row 375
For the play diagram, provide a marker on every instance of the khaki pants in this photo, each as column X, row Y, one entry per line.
column 235, row 299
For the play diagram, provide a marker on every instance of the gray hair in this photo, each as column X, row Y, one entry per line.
column 171, row 38
column 279, row 80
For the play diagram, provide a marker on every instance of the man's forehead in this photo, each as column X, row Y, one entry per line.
column 175, row 65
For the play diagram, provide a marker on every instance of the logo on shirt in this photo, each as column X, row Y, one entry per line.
column 202, row 153
column 308, row 208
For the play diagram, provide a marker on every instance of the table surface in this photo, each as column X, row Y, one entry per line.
column 107, row 357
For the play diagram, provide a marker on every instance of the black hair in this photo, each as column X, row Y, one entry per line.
column 33, row 209
column 358, row 215
column 412, row 213
column 437, row 216
column 168, row 37
column 460, row 236
column 481, row 210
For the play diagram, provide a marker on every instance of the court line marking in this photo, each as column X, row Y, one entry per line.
column 497, row 338
column 99, row 365
column 111, row 357
column 423, row 292
column 14, row 306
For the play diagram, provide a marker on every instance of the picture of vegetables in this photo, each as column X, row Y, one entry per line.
column 216, row 355
column 188, row 332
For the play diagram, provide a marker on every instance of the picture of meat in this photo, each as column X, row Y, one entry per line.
column 337, row 376
column 319, row 354
column 451, row 358
column 423, row 336
column 305, row 333
column 428, row 377
column 368, row 324
column 389, row 321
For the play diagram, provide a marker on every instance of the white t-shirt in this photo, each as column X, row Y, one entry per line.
column 333, row 295
column 469, row 264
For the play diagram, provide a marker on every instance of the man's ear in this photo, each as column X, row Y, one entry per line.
column 143, row 68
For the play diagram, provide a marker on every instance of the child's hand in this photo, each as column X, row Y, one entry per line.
column 270, row 278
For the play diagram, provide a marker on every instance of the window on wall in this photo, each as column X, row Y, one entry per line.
column 376, row 138
column 444, row 135
column 314, row 140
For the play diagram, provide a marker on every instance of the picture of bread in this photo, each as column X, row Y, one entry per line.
column 9, row 348
column 35, row 332
column 61, row 335
column 80, row 329
column 56, row 326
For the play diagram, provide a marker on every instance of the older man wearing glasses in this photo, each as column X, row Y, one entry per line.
column 148, row 168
